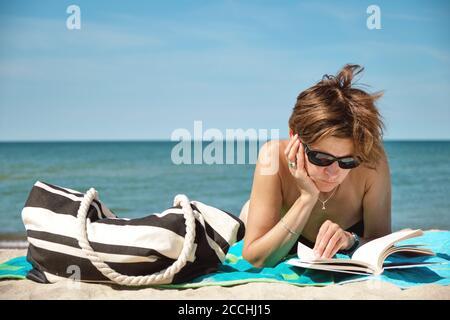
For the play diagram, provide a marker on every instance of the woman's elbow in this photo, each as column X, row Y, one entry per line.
column 252, row 259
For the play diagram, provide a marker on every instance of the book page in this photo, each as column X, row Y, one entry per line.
column 306, row 255
column 335, row 268
column 412, row 249
column 372, row 252
column 411, row 265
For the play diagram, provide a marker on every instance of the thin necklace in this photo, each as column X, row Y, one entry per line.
column 323, row 202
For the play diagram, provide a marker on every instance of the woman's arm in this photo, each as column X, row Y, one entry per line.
column 266, row 240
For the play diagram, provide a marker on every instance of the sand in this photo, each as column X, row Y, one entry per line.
column 26, row 289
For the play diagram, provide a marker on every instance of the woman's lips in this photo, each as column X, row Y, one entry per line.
column 324, row 181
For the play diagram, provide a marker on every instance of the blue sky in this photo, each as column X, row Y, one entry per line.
column 138, row 70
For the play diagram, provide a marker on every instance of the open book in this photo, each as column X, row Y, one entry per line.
column 368, row 258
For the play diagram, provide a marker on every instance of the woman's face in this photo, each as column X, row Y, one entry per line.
column 327, row 178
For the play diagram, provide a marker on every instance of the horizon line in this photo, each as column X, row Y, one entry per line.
column 196, row 140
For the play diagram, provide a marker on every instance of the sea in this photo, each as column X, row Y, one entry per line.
column 138, row 178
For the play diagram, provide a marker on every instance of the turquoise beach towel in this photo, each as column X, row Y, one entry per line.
column 16, row 268
column 236, row 270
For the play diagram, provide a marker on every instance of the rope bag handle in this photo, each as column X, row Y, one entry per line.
column 159, row 277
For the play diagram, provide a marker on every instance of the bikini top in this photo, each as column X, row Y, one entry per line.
column 357, row 228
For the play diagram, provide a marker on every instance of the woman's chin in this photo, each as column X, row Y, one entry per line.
column 325, row 186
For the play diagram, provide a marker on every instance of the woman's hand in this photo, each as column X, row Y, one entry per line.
column 330, row 239
column 295, row 153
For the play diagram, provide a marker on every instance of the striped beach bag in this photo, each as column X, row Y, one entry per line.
column 74, row 235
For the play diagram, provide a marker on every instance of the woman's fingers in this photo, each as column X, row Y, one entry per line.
column 293, row 151
column 288, row 148
column 323, row 228
column 332, row 244
column 337, row 247
column 326, row 237
column 323, row 240
column 329, row 240
column 300, row 157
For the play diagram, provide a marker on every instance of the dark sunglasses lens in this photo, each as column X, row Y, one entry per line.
column 320, row 159
column 348, row 163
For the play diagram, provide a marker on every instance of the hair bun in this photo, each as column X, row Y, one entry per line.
column 345, row 76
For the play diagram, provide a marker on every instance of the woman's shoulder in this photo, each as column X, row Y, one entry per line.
column 270, row 157
column 273, row 147
column 368, row 174
column 374, row 168
column 273, row 150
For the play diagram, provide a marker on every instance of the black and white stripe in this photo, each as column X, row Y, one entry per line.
column 134, row 247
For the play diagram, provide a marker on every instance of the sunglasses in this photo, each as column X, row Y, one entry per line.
column 323, row 159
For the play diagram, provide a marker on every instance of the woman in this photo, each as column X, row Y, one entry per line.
column 332, row 188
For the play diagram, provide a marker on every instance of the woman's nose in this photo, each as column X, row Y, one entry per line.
column 333, row 169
